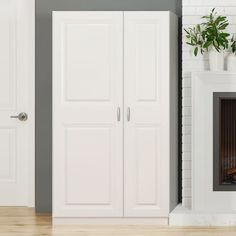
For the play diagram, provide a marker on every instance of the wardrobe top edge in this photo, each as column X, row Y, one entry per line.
column 144, row 12
column 115, row 11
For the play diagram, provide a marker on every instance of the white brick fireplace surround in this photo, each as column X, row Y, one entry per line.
column 209, row 207
column 192, row 11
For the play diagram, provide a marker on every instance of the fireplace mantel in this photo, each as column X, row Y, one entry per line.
column 204, row 84
column 209, row 208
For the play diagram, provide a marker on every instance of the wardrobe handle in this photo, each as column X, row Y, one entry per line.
column 128, row 114
column 118, row 114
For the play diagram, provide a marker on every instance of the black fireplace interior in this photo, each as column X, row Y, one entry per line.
column 224, row 128
column 228, row 141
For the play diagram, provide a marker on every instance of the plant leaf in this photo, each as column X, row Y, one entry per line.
column 207, row 44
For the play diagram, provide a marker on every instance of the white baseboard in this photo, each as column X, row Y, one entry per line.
column 181, row 216
column 110, row 221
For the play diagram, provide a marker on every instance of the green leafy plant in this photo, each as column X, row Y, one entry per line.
column 233, row 44
column 195, row 38
column 209, row 34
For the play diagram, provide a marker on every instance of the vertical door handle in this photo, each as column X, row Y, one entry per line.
column 118, row 114
column 128, row 114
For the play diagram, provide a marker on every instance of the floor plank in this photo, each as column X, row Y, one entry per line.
column 24, row 222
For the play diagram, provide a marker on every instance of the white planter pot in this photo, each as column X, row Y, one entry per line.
column 216, row 60
column 231, row 62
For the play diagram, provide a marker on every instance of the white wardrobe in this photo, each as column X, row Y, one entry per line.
column 114, row 115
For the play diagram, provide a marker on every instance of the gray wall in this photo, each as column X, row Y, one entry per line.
column 44, row 10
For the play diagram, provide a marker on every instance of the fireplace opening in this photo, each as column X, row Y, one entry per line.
column 228, row 138
column 224, row 145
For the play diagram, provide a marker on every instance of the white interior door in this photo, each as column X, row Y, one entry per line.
column 16, row 96
column 87, row 114
column 146, row 145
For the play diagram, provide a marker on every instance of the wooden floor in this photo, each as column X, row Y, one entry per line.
column 24, row 222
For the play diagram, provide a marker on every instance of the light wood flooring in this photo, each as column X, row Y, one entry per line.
column 24, row 222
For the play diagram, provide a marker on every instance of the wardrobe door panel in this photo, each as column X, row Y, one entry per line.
column 146, row 145
column 87, row 122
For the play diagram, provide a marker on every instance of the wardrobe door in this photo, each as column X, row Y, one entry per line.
column 87, row 114
column 146, row 144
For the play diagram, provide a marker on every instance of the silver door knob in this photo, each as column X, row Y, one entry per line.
column 22, row 116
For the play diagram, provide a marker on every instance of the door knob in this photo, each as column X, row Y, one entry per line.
column 22, row 116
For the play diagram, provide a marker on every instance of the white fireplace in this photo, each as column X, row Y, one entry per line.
column 209, row 207
column 204, row 85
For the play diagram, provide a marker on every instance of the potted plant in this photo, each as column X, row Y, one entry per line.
column 231, row 60
column 210, row 37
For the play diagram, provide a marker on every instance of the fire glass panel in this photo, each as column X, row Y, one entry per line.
column 224, row 141
column 228, row 141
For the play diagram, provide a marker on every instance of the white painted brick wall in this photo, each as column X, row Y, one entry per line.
column 192, row 11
